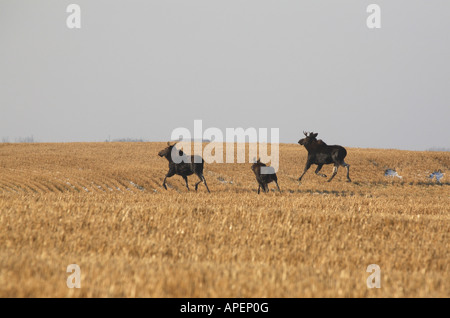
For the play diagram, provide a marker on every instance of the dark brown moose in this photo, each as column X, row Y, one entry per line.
column 189, row 165
column 320, row 153
column 264, row 179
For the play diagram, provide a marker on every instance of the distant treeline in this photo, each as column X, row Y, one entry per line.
column 143, row 140
column 438, row 149
column 19, row 139
column 126, row 140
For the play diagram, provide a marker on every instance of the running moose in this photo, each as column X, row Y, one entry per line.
column 264, row 179
column 185, row 168
column 320, row 153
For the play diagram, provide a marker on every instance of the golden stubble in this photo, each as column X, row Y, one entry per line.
column 102, row 206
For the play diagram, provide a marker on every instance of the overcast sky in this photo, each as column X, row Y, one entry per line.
column 139, row 69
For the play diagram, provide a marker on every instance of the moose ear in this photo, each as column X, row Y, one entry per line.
column 314, row 135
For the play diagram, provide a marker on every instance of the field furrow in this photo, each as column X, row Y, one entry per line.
column 102, row 206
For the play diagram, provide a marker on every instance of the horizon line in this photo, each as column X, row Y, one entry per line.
column 140, row 140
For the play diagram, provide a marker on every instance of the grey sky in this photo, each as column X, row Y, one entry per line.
column 139, row 69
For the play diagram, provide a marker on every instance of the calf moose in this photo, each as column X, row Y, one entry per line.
column 264, row 179
column 185, row 168
column 320, row 153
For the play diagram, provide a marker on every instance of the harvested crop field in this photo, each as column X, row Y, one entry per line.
column 102, row 206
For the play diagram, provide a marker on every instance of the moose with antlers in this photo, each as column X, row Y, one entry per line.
column 186, row 166
column 320, row 153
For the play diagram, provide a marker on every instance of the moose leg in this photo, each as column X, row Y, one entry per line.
column 196, row 185
column 335, row 169
column 307, row 166
column 186, row 181
column 204, row 181
column 346, row 165
column 263, row 187
column 276, row 182
column 259, row 187
column 168, row 175
column 319, row 166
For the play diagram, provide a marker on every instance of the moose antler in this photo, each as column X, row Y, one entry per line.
column 305, row 133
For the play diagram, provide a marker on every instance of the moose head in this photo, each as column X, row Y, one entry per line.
column 308, row 139
column 166, row 152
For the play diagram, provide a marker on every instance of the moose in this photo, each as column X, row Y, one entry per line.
column 185, row 168
column 320, row 153
column 264, row 179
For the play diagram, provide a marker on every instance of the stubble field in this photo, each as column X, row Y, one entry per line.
column 102, row 206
